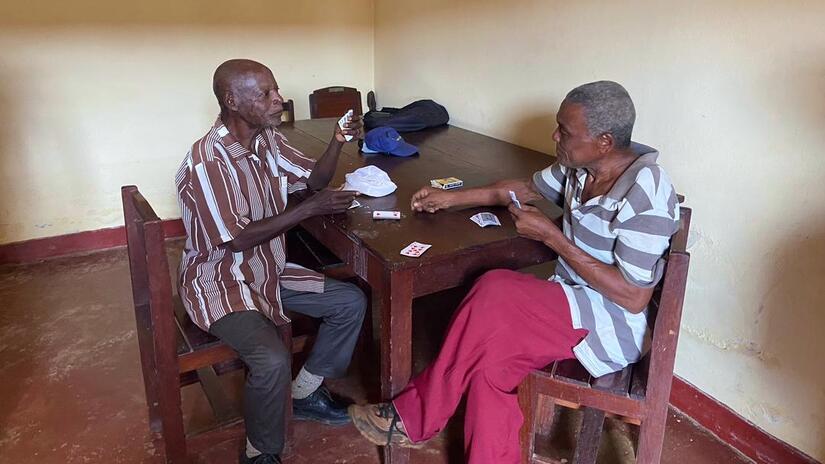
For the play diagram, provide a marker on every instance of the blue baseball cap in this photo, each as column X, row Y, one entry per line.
column 387, row 140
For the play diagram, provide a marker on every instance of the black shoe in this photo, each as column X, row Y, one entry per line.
column 320, row 407
column 260, row 459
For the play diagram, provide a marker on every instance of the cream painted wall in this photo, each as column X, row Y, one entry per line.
column 733, row 94
column 94, row 95
column 97, row 94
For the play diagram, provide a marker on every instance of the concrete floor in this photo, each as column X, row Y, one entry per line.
column 72, row 392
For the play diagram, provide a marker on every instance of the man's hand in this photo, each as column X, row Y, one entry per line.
column 430, row 199
column 533, row 224
column 355, row 127
column 329, row 201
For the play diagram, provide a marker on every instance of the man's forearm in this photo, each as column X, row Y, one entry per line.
column 266, row 229
column 325, row 167
column 480, row 196
column 604, row 278
column 493, row 194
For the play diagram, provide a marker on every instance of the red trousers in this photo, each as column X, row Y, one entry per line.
column 508, row 325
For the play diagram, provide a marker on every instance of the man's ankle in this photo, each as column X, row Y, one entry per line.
column 305, row 384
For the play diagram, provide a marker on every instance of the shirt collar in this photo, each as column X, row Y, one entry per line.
column 646, row 157
column 233, row 147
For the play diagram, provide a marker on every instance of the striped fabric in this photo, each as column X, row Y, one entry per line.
column 629, row 227
column 222, row 187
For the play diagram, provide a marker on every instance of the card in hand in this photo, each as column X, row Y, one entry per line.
column 515, row 199
column 341, row 122
column 415, row 249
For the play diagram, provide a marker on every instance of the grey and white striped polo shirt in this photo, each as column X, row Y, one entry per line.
column 629, row 227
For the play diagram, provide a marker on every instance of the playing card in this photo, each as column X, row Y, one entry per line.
column 486, row 219
column 515, row 199
column 415, row 249
column 343, row 121
column 354, row 204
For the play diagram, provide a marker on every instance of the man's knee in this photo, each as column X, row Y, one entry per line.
column 491, row 292
column 497, row 276
column 353, row 303
column 495, row 282
column 270, row 361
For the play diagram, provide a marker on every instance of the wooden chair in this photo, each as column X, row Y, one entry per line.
column 637, row 394
column 333, row 102
column 289, row 111
column 173, row 351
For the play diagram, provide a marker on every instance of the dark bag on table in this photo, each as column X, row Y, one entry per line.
column 417, row 115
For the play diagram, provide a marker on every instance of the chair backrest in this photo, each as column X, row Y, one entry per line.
column 331, row 102
column 665, row 310
column 151, row 282
column 289, row 111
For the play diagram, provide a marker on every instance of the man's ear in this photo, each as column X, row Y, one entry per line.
column 605, row 142
column 230, row 101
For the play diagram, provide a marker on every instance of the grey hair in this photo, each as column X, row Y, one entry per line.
column 608, row 109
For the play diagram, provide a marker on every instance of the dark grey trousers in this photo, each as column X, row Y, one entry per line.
column 341, row 309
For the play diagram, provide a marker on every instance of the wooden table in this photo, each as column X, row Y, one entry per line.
column 461, row 250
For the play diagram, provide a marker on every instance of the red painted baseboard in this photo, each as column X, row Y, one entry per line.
column 732, row 428
column 39, row 249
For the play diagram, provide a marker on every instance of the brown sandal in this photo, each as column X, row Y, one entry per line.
column 381, row 425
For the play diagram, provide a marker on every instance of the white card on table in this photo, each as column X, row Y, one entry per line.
column 486, row 219
column 343, row 121
column 415, row 249
column 386, row 214
column 515, row 199
column 354, row 204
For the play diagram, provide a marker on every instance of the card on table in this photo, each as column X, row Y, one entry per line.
column 415, row 249
column 485, row 219
column 354, row 204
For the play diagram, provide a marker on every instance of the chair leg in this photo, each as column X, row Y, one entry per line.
column 590, row 435
column 169, row 406
column 285, row 331
column 527, row 399
column 150, row 383
column 546, row 415
column 651, row 437
column 148, row 366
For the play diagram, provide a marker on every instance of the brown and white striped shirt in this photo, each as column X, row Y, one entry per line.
column 222, row 187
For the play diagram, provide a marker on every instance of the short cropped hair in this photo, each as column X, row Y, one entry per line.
column 607, row 109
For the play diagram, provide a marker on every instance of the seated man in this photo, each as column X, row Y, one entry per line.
column 620, row 211
column 233, row 188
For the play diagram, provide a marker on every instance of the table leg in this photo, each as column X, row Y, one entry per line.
column 394, row 298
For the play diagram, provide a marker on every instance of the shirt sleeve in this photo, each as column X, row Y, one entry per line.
column 644, row 224
column 551, row 182
column 293, row 164
column 221, row 208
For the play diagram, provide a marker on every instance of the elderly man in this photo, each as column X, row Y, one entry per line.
column 620, row 210
column 233, row 189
